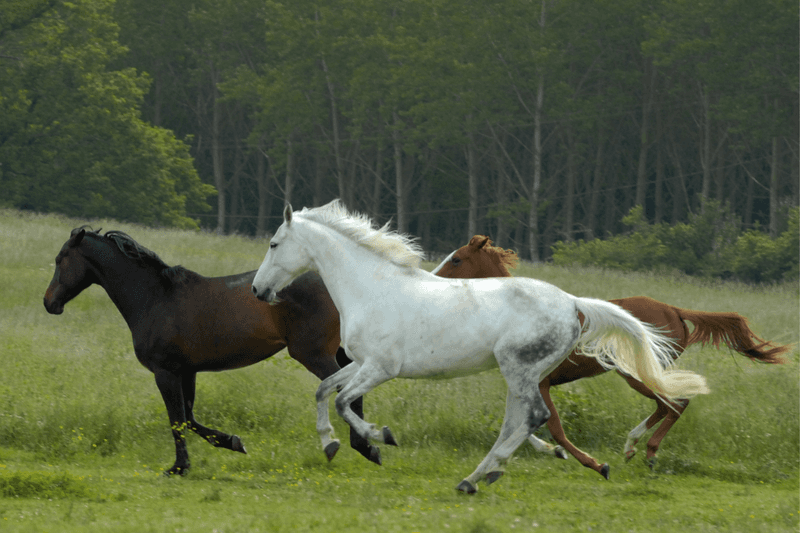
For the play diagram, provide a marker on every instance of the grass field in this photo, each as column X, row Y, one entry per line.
column 84, row 435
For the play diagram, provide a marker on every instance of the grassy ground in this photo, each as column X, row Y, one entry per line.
column 84, row 433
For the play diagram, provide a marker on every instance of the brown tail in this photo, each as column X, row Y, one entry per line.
column 732, row 329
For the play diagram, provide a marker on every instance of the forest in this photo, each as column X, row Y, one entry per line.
column 535, row 122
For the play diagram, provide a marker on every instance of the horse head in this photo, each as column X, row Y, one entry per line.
column 478, row 259
column 72, row 274
column 285, row 260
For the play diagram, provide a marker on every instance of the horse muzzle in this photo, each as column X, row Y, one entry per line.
column 267, row 295
column 54, row 308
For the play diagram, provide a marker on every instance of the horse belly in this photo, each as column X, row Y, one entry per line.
column 447, row 365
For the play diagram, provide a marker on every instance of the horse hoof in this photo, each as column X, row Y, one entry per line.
column 491, row 477
column 560, row 452
column 177, row 470
column 388, row 438
column 375, row 455
column 466, row 487
column 604, row 470
column 236, row 444
column 629, row 455
column 331, row 449
column 651, row 462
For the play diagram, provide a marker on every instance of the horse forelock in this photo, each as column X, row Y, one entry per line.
column 398, row 248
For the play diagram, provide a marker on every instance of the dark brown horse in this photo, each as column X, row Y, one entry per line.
column 480, row 259
column 183, row 323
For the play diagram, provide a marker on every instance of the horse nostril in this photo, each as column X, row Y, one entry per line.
column 255, row 291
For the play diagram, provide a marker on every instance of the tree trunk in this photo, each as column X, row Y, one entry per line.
column 502, row 178
column 659, row 192
column 773, row 191
column 533, row 213
column 472, row 219
column 264, row 197
column 644, row 143
column 400, row 197
column 288, row 184
column 705, row 146
column 217, row 163
column 597, row 183
column 377, row 185
column 569, row 197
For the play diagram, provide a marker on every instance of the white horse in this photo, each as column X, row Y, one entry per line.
column 398, row 320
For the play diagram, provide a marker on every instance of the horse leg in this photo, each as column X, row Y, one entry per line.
column 328, row 386
column 215, row 437
column 364, row 380
column 357, row 442
column 636, row 433
column 676, row 409
column 169, row 384
column 557, row 431
column 662, row 410
column 522, row 416
column 525, row 407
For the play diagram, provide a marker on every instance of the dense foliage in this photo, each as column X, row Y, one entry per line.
column 533, row 122
column 72, row 139
column 711, row 244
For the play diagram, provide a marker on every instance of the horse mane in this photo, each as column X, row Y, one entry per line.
column 400, row 249
column 143, row 256
column 508, row 259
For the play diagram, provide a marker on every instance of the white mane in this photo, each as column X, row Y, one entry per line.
column 398, row 248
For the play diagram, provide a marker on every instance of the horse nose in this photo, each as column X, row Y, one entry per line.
column 255, row 291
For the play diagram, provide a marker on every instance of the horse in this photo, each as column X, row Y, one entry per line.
column 398, row 320
column 479, row 258
column 183, row 323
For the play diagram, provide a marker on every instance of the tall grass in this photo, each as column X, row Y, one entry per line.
column 71, row 385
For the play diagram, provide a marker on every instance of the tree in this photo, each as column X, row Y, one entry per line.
column 76, row 143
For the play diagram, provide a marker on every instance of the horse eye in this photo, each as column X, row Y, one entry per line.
column 273, row 245
column 456, row 260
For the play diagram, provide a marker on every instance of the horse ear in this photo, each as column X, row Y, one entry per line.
column 76, row 237
column 479, row 241
column 287, row 213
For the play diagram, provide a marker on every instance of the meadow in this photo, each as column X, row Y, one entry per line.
column 84, row 436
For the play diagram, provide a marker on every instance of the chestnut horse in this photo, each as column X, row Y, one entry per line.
column 480, row 259
column 183, row 323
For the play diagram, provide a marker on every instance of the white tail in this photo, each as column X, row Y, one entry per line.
column 619, row 340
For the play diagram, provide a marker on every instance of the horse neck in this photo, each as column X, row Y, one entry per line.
column 345, row 266
column 129, row 285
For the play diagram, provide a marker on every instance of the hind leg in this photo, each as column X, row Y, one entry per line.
column 215, row 437
column 674, row 414
column 522, row 416
column 525, row 407
column 638, row 432
column 670, row 411
column 557, row 431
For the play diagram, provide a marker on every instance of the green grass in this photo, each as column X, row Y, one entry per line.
column 84, row 435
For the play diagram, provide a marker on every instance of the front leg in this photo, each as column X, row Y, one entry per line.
column 215, row 437
column 170, row 386
column 328, row 386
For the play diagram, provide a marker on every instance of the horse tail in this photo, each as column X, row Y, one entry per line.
column 733, row 330
column 616, row 339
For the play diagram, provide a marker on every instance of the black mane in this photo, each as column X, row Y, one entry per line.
column 144, row 256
